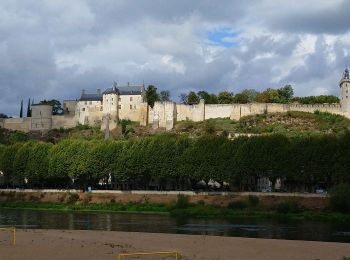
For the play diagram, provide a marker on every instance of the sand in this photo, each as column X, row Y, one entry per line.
column 69, row 244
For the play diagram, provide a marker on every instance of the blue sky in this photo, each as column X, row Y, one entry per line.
column 223, row 37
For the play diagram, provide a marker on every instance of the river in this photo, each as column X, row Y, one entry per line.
column 257, row 228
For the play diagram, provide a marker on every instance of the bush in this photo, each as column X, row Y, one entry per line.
column 287, row 207
column 237, row 205
column 182, row 202
column 253, row 201
column 73, row 198
column 340, row 198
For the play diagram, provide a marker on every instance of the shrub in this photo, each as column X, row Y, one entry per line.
column 182, row 202
column 253, row 201
column 287, row 207
column 73, row 198
column 340, row 198
column 237, row 205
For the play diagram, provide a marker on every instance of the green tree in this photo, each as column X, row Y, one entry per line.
column 225, row 97
column 208, row 98
column 29, row 110
column 151, row 95
column 286, row 93
column 21, row 110
column 192, row 98
column 164, row 95
column 38, row 164
column 3, row 115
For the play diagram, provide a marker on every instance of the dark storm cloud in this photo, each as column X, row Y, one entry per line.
column 333, row 19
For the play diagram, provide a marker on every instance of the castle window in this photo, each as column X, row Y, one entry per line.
column 135, row 107
column 112, row 99
column 90, row 102
column 119, row 106
column 130, row 98
column 130, row 106
column 101, row 108
column 85, row 102
column 119, row 99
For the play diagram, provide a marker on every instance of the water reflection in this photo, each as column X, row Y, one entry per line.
column 277, row 229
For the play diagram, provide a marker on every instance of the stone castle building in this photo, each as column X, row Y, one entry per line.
column 106, row 109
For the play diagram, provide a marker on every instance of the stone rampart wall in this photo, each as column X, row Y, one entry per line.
column 18, row 124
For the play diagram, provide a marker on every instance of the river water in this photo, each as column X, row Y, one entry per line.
column 259, row 228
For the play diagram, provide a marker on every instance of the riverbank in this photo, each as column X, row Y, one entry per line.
column 67, row 244
column 183, row 209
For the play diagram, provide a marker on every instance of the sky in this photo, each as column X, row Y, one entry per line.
column 54, row 49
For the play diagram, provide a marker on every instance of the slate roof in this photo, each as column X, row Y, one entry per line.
column 122, row 90
column 125, row 90
column 91, row 97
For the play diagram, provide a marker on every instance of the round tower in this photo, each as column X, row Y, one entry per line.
column 345, row 92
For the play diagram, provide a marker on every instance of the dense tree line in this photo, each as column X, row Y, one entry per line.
column 282, row 95
column 302, row 163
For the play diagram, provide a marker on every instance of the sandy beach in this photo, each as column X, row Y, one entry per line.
column 68, row 244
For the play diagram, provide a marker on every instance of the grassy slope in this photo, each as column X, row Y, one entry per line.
column 290, row 124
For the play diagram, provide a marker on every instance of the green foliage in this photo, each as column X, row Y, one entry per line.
column 182, row 202
column 151, row 95
column 316, row 99
column 237, row 205
column 287, row 207
column 164, row 95
column 253, row 201
column 72, row 198
column 2, row 115
column 340, row 198
column 17, row 136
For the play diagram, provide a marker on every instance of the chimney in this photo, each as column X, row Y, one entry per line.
column 83, row 92
column 99, row 92
column 128, row 84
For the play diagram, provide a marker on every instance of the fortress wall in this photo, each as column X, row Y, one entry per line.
column 163, row 114
column 2, row 121
column 69, row 107
column 219, row 110
column 65, row 121
column 191, row 112
column 19, row 124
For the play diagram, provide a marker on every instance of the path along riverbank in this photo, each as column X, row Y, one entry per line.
column 69, row 245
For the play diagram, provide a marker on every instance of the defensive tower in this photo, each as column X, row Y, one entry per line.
column 344, row 85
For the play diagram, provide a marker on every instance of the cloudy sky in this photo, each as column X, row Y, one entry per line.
column 54, row 49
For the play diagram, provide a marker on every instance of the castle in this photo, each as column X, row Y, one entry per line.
column 106, row 109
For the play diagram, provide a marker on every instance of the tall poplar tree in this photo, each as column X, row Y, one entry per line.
column 21, row 111
column 29, row 110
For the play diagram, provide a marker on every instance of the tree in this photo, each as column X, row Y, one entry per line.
column 56, row 106
column 29, row 110
column 21, row 110
column 192, row 98
column 151, row 95
column 3, row 115
column 225, row 97
column 164, row 95
column 241, row 98
column 208, row 98
column 286, row 92
column 183, row 98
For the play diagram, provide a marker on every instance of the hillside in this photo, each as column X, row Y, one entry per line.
column 289, row 124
